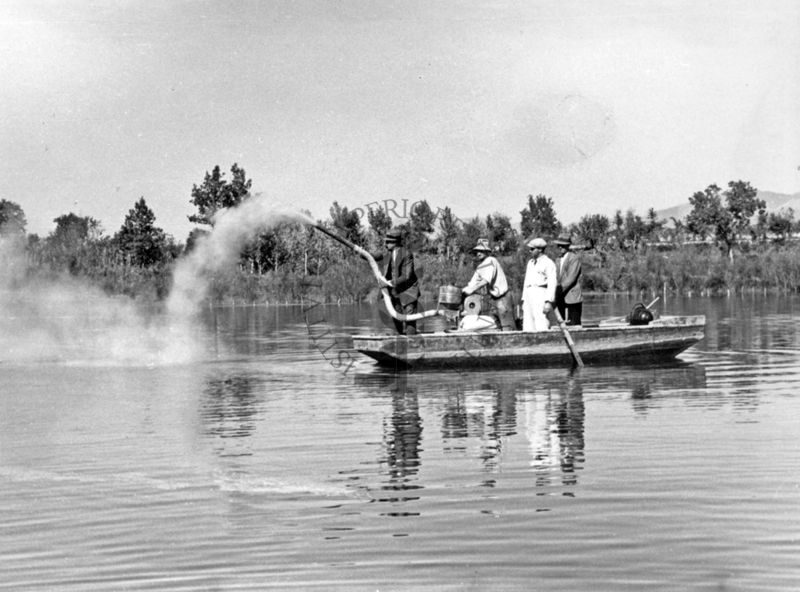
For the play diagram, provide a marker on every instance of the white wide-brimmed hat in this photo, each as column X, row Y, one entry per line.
column 483, row 245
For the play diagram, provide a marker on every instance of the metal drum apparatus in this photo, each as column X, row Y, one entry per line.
column 449, row 297
column 477, row 314
column 478, row 304
column 450, row 305
column 473, row 304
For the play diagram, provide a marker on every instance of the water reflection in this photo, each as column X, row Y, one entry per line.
column 402, row 443
column 487, row 413
column 229, row 408
column 554, row 428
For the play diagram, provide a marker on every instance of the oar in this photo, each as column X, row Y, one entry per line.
column 568, row 338
column 656, row 299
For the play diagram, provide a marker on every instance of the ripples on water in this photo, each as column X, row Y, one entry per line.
column 258, row 465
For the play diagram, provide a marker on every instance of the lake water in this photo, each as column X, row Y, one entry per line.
column 236, row 456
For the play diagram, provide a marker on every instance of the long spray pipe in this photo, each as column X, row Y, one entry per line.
column 387, row 299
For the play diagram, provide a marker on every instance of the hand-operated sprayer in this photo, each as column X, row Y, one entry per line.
column 379, row 276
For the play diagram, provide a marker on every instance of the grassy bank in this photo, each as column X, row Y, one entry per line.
column 688, row 270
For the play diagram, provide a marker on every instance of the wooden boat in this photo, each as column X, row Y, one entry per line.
column 604, row 342
column 665, row 337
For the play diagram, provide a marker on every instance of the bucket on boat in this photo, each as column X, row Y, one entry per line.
column 450, row 297
column 477, row 323
column 435, row 325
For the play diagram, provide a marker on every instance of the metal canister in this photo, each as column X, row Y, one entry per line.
column 449, row 297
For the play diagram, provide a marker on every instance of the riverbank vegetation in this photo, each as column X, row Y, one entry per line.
column 728, row 243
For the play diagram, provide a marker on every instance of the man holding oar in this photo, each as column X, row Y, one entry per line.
column 538, row 294
column 569, row 297
column 538, row 288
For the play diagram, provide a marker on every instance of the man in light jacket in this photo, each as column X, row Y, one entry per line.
column 489, row 276
column 569, row 297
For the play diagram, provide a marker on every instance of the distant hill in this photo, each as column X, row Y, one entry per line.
column 775, row 202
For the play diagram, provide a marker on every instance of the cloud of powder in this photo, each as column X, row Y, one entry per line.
column 66, row 320
column 219, row 250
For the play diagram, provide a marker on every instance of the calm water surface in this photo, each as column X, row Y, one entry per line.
column 253, row 463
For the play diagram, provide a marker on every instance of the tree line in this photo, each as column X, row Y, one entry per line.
column 624, row 252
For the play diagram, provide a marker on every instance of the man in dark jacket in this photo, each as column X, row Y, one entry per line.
column 402, row 278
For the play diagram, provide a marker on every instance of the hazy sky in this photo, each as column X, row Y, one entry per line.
column 474, row 105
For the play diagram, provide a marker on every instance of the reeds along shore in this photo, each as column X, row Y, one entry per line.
column 690, row 270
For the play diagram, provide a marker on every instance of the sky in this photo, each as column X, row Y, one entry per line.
column 601, row 106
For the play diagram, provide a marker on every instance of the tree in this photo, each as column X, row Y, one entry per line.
column 348, row 223
column 449, row 229
column 742, row 202
column 618, row 231
column 195, row 236
column 501, row 234
column 634, row 230
column 420, row 224
column 592, row 229
column 12, row 218
column 471, row 231
column 677, row 234
column 781, row 223
column 379, row 221
column 539, row 218
column 296, row 246
column 265, row 251
column 70, row 246
column 653, row 226
column 143, row 243
column 708, row 217
column 724, row 223
column 629, row 231
column 72, row 230
column 216, row 193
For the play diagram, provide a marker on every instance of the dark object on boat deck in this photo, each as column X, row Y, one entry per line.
column 640, row 315
column 436, row 325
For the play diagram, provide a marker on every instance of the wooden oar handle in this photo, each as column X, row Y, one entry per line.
column 568, row 338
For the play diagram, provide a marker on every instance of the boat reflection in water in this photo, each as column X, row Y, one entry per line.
column 491, row 415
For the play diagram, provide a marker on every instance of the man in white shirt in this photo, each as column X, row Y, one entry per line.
column 489, row 276
column 538, row 288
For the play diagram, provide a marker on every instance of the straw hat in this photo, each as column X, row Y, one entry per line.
column 563, row 241
column 483, row 245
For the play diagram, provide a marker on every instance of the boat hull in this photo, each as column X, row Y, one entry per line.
column 607, row 342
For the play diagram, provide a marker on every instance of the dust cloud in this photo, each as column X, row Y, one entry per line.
column 219, row 250
column 65, row 320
